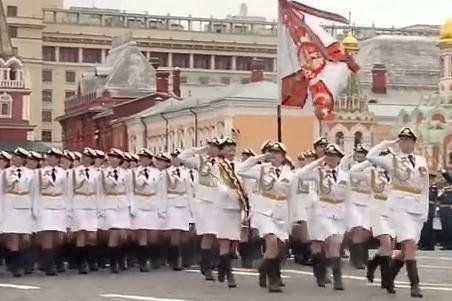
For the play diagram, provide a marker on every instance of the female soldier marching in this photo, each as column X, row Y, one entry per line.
column 409, row 198
column 271, row 212
column 53, row 202
column 116, row 205
column 85, row 196
column 328, row 223
column 149, row 206
column 19, row 196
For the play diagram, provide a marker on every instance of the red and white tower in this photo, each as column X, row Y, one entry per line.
column 14, row 93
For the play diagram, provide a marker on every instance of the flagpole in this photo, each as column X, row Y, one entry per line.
column 278, row 72
column 279, row 121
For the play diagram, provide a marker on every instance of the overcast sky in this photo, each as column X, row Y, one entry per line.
column 364, row 12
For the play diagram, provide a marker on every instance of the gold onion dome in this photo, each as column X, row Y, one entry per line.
column 446, row 33
column 350, row 42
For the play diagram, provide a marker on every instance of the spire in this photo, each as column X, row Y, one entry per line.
column 6, row 49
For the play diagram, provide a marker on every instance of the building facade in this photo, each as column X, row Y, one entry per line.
column 123, row 85
column 14, row 91
column 58, row 46
column 432, row 117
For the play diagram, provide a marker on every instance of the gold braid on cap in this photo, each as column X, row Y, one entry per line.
column 230, row 176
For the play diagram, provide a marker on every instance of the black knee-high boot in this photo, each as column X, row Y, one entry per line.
column 395, row 266
column 142, row 256
column 82, row 260
column 280, row 282
column 188, row 254
column 246, row 255
column 155, row 252
column 225, row 268
column 16, row 263
column 175, row 259
column 273, row 278
column 306, row 253
column 263, row 272
column 60, row 254
column 319, row 267
column 29, row 260
column 114, row 259
column 387, row 282
column 364, row 254
column 91, row 258
column 413, row 275
column 207, row 258
column 48, row 256
column 336, row 265
column 372, row 266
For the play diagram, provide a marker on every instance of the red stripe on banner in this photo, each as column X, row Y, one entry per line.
column 320, row 13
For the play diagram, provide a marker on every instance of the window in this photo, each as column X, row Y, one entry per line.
column 92, row 55
column 243, row 63
column 339, row 139
column 46, row 116
column 181, row 60
column 69, row 54
column 46, row 136
column 6, row 103
column 6, row 110
column 162, row 58
column 68, row 94
column 12, row 31
column 202, row 61
column 70, row 76
column 47, row 95
column 183, row 79
column 223, row 62
column 48, row 53
column 358, row 138
column 46, row 75
column 11, row 11
column 268, row 64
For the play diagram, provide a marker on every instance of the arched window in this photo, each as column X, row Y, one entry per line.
column 450, row 158
column 358, row 138
column 339, row 139
column 6, row 106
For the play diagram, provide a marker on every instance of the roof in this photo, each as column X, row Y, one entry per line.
column 125, row 71
column 11, row 145
column 409, row 60
column 398, row 96
column 262, row 92
column 385, row 112
column 6, row 49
